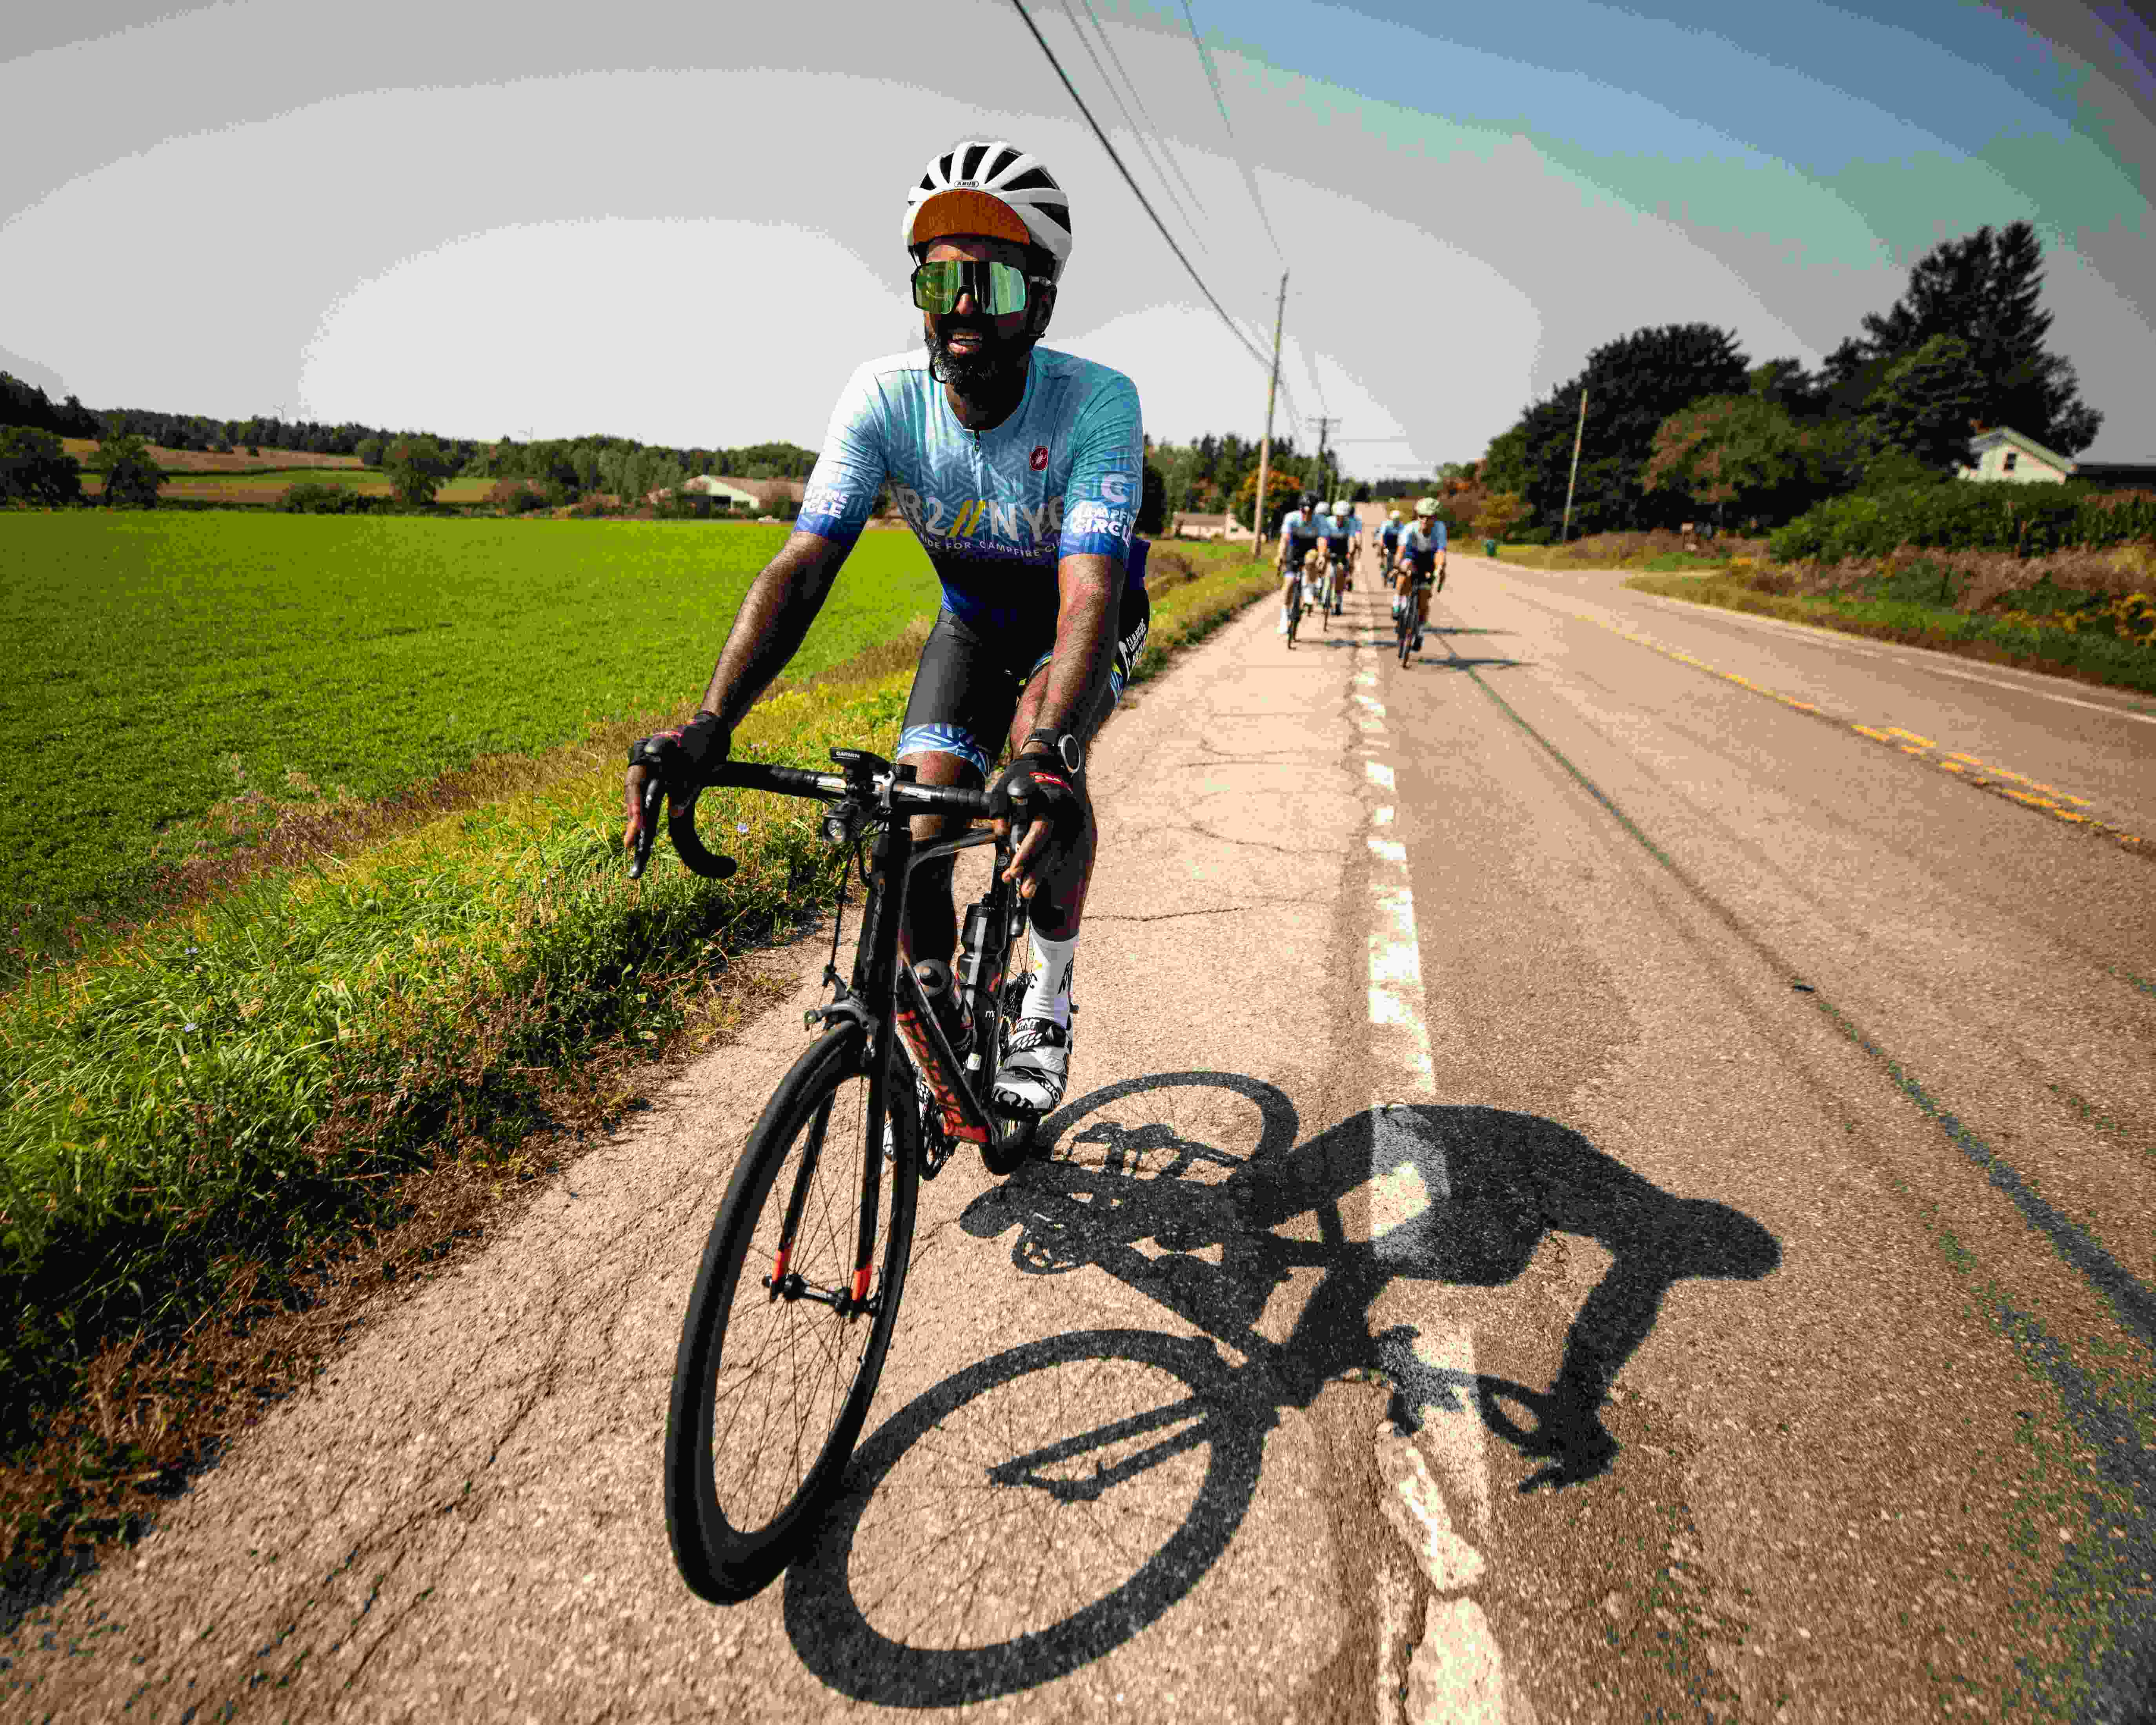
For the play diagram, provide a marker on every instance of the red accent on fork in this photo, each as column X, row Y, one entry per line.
column 860, row 1283
column 779, row 1266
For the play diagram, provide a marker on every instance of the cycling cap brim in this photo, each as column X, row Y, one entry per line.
column 962, row 210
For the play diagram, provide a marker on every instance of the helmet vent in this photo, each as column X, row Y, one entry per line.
column 1035, row 179
column 994, row 165
column 970, row 160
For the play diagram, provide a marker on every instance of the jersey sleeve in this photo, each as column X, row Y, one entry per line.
column 1107, row 473
column 1437, row 533
column 842, row 488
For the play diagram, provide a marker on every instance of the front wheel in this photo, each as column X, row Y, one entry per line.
column 1294, row 617
column 789, row 1319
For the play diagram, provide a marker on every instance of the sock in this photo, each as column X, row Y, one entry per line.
column 1048, row 994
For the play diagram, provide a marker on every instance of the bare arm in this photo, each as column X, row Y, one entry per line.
column 771, row 622
column 1092, row 586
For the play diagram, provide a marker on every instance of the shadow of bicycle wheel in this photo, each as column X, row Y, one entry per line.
column 858, row 1632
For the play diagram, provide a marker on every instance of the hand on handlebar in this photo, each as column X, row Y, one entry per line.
column 668, row 764
column 1035, row 797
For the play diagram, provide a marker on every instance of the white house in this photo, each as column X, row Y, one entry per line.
column 724, row 492
column 2004, row 454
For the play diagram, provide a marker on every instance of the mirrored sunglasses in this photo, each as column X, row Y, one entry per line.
column 997, row 289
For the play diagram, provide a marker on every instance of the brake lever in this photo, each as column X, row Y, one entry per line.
column 647, row 828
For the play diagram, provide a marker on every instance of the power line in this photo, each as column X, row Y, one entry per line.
column 1144, row 203
column 1131, row 85
column 1220, row 101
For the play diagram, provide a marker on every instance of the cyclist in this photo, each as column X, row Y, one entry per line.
column 1347, row 542
column 1421, row 563
column 1018, row 468
column 1388, row 542
column 1298, row 538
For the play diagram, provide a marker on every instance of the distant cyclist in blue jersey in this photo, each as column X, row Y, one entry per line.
column 1422, row 563
column 1020, row 470
column 1388, row 543
column 1346, row 540
column 1298, row 538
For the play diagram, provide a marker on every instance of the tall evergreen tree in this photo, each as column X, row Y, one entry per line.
column 1985, row 290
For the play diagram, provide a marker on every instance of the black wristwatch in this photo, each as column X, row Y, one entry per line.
column 1065, row 747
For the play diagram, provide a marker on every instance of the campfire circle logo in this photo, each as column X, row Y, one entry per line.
column 1041, row 458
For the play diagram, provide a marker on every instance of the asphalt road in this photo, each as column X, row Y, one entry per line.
column 1611, row 1173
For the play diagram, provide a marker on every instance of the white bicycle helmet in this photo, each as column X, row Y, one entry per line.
column 993, row 188
column 1340, row 508
column 1395, row 516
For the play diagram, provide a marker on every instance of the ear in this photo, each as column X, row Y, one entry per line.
column 1044, row 309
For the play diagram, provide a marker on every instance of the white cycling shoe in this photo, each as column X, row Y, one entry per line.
column 1035, row 1067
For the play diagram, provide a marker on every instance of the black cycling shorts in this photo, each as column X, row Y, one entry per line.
column 965, row 689
column 1340, row 554
column 1297, row 550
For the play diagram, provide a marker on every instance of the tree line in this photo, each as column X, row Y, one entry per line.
column 1681, row 426
column 35, row 468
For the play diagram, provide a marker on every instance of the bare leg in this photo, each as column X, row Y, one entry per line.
column 928, row 926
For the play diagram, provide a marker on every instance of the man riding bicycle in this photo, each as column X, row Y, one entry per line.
column 1388, row 543
column 1340, row 526
column 1018, row 468
column 1298, row 538
column 1421, row 565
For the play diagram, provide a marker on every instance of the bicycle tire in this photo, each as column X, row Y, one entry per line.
column 729, row 1544
column 1294, row 619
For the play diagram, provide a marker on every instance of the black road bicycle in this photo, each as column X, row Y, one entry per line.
column 1403, row 624
column 1294, row 604
column 793, row 1308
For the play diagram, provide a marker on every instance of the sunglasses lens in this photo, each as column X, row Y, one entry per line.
column 997, row 289
column 1006, row 289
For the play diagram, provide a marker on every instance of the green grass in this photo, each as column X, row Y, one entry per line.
column 179, row 679
column 1911, row 607
column 209, row 1098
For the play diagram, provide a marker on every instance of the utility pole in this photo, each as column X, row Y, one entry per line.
column 1266, row 444
column 1325, row 424
column 1564, row 536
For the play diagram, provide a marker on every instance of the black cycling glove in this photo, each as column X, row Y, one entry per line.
column 1036, row 787
column 683, row 757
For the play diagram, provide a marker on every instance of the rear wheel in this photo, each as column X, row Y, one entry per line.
column 789, row 1320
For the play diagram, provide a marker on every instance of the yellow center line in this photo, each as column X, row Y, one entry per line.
column 1972, row 770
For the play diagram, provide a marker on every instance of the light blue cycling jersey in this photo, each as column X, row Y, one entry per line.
column 1421, row 548
column 994, row 509
column 1300, row 526
column 1347, row 525
column 1390, row 532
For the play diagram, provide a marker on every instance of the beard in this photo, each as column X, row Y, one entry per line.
column 998, row 367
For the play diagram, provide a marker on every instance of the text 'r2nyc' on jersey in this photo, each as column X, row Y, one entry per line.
column 1062, row 476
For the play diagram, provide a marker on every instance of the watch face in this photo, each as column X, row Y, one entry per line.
column 1074, row 756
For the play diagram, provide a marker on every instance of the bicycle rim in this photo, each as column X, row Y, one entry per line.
column 770, row 1391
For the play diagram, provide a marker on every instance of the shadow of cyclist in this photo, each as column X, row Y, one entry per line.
column 1461, row 1196
column 1492, row 1185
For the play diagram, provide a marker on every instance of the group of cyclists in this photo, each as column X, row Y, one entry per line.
column 1319, row 544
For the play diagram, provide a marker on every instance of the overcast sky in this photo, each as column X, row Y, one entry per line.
column 681, row 223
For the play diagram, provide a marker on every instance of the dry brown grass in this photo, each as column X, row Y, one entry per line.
column 1982, row 580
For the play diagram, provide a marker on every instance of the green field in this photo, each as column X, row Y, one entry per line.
column 168, row 666
column 196, row 1105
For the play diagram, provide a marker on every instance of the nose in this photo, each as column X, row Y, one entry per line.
column 966, row 304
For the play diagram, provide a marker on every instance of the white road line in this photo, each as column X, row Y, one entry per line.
column 1457, row 1669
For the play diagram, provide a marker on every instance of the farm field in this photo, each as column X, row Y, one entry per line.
column 188, row 676
column 208, row 461
column 267, row 485
column 199, row 1104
